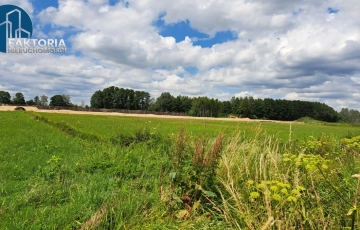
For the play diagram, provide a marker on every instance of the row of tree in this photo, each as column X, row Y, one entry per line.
column 279, row 109
column 197, row 106
column 5, row 98
column 119, row 98
column 19, row 99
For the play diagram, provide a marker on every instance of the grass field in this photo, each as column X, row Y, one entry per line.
column 109, row 126
column 65, row 171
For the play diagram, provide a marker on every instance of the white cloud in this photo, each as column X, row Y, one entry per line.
column 293, row 50
column 292, row 96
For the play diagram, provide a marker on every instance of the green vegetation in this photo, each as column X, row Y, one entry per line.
column 110, row 126
column 119, row 98
column 18, row 99
column 60, row 100
column 349, row 116
column 62, row 171
column 116, row 98
column 5, row 97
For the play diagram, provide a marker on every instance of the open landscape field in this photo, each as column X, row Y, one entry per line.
column 82, row 171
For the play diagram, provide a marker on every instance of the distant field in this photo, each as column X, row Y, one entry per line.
column 60, row 171
column 108, row 126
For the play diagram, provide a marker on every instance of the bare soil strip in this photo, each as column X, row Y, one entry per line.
column 31, row 108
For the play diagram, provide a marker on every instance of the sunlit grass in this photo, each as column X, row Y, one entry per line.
column 55, row 175
column 108, row 126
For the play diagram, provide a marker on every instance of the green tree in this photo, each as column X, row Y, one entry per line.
column 131, row 105
column 37, row 100
column 349, row 116
column 227, row 107
column 57, row 100
column 141, row 100
column 245, row 107
column 258, row 108
column 120, row 98
column 186, row 103
column 5, row 97
column 235, row 105
column 66, row 99
column 18, row 99
column 109, row 97
column 164, row 103
column 44, row 100
column 97, row 100
column 205, row 107
column 177, row 104
column 30, row 102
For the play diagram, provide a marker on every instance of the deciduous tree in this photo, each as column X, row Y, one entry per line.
column 44, row 100
column 19, row 99
column 57, row 100
column 5, row 97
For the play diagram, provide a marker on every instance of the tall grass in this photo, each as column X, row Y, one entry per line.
column 265, row 185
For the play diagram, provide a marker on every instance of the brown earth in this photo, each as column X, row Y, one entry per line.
column 31, row 108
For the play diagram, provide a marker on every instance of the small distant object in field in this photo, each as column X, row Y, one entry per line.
column 232, row 116
column 20, row 108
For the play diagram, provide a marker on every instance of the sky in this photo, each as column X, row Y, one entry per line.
column 296, row 50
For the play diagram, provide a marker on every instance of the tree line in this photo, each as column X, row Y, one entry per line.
column 279, row 109
column 19, row 99
column 120, row 98
column 272, row 109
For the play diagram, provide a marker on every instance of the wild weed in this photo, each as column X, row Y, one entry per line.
column 192, row 174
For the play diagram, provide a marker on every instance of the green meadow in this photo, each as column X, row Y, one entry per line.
column 66, row 171
column 109, row 126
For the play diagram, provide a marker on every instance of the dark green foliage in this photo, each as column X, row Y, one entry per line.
column 60, row 100
column 18, row 99
column 30, row 102
column 227, row 107
column 235, row 105
column 245, row 107
column 119, row 98
column 165, row 103
column 5, row 97
column 97, row 100
column 206, row 107
column 272, row 109
column 182, row 104
column 37, row 100
column 281, row 109
column 57, row 100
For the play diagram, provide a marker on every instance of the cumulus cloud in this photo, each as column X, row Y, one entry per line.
column 294, row 50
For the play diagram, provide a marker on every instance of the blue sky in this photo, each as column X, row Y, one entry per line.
column 182, row 29
column 40, row 5
column 291, row 50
